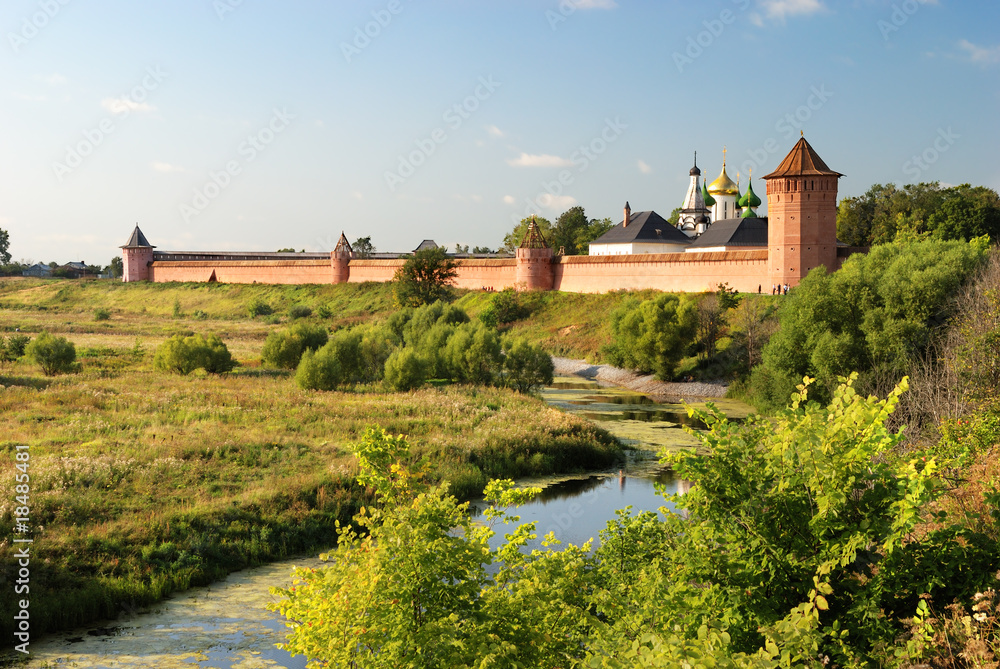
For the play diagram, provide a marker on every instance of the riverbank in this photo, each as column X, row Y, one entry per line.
column 647, row 384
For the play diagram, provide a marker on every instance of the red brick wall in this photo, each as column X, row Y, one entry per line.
column 243, row 271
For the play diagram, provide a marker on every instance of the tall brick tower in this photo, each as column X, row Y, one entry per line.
column 137, row 255
column 802, row 216
column 340, row 260
column 534, row 261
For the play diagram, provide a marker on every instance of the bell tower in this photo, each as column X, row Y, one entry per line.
column 802, row 216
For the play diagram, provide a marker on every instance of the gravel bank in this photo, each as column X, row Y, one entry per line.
column 645, row 384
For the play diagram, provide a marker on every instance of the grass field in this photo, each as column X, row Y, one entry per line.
column 143, row 482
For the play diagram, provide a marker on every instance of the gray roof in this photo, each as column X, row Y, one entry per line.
column 137, row 240
column 644, row 226
column 426, row 244
column 734, row 232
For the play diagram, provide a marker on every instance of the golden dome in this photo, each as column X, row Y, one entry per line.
column 723, row 185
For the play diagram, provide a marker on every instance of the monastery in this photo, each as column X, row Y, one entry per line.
column 718, row 239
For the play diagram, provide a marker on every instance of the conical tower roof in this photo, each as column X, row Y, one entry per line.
column 802, row 160
column 343, row 246
column 533, row 238
column 137, row 240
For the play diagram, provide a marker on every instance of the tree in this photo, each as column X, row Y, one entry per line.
column 116, row 268
column 363, row 248
column 424, row 278
column 183, row 355
column 514, row 238
column 55, row 355
column 482, row 250
column 652, row 335
column 461, row 249
column 675, row 216
column 285, row 348
column 4, row 247
column 570, row 226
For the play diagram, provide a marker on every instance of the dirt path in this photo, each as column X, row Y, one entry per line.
column 645, row 384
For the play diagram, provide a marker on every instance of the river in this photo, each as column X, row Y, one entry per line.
column 225, row 625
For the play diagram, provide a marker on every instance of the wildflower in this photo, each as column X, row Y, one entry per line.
column 979, row 617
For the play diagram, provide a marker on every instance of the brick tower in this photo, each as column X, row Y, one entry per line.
column 340, row 259
column 802, row 216
column 137, row 255
column 534, row 261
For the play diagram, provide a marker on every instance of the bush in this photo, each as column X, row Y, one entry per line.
column 102, row 314
column 525, row 366
column 285, row 348
column 13, row 347
column 505, row 307
column 299, row 311
column 651, row 335
column 318, row 370
column 405, row 370
column 183, row 355
column 258, row 307
column 55, row 355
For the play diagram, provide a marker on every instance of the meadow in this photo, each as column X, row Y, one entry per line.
column 144, row 482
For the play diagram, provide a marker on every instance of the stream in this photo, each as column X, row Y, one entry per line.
column 225, row 625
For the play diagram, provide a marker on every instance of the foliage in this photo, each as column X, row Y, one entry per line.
column 12, row 347
column 102, row 314
column 651, row 335
column 873, row 316
column 258, row 307
column 55, row 355
column 116, row 268
column 319, row 370
column 363, row 248
column 4, row 247
column 573, row 232
column 513, row 239
column 424, row 278
column 285, row 348
column 405, row 369
column 299, row 311
column 886, row 213
column 525, row 366
column 183, row 355
column 504, row 307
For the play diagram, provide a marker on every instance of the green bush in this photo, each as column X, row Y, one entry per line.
column 525, row 366
column 504, row 307
column 258, row 307
column 55, row 355
column 319, row 370
column 102, row 314
column 474, row 355
column 183, row 355
column 375, row 347
column 284, row 349
column 652, row 335
column 13, row 347
column 405, row 370
column 299, row 311
column 425, row 278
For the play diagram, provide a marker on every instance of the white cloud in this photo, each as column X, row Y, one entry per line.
column 543, row 160
column 980, row 54
column 509, row 199
column 556, row 203
column 644, row 168
column 594, row 4
column 782, row 9
column 165, row 167
column 494, row 131
column 124, row 105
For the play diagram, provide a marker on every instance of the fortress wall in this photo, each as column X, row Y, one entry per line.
column 680, row 272
column 243, row 271
column 473, row 273
column 374, row 270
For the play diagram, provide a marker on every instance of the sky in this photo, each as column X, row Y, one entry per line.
column 256, row 124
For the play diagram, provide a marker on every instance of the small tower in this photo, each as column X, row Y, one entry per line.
column 534, row 261
column 694, row 203
column 628, row 215
column 749, row 202
column 137, row 256
column 725, row 193
column 340, row 260
column 802, row 216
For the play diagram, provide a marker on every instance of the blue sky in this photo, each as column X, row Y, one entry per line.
column 257, row 124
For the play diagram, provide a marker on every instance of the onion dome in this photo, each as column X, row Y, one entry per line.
column 749, row 198
column 748, row 213
column 695, row 172
column 723, row 185
column 709, row 200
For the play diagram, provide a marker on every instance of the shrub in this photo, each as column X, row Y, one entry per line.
column 319, row 370
column 652, row 335
column 284, row 349
column 323, row 311
column 258, row 307
column 299, row 311
column 525, row 366
column 374, row 349
column 505, row 307
column 102, row 314
column 474, row 354
column 54, row 355
column 183, row 355
column 405, row 370
column 13, row 347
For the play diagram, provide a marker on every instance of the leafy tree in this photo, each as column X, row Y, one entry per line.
column 461, row 249
column 569, row 227
column 55, row 355
column 675, row 217
column 285, row 348
column 116, row 268
column 424, row 278
column 13, row 347
column 526, row 366
column 319, row 370
column 652, row 335
column 514, row 238
column 504, row 307
column 217, row 358
column 286, row 250
column 183, row 355
column 482, row 250
column 363, row 248
column 405, row 369
column 4, row 247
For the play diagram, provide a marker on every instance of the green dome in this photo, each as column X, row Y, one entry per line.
column 749, row 213
column 749, row 198
column 709, row 200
